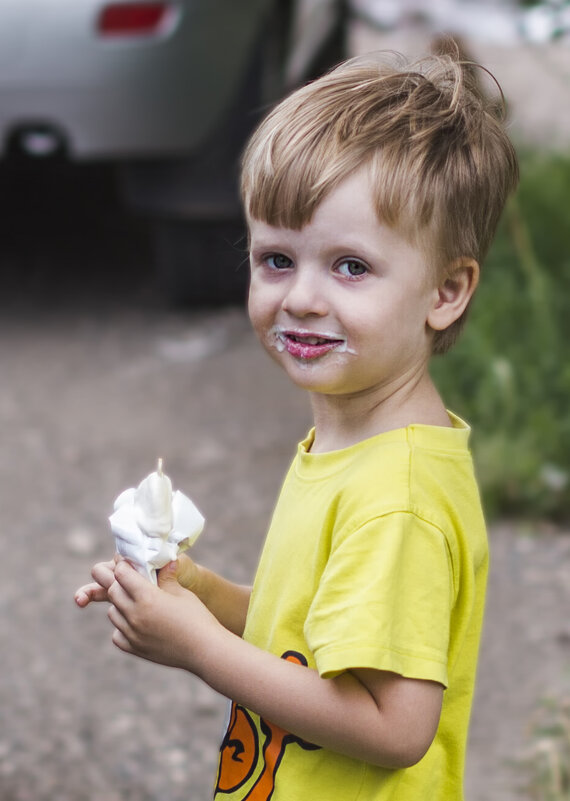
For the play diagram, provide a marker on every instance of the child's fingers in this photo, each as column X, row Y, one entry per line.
column 169, row 580
column 129, row 580
column 187, row 572
column 118, row 619
column 81, row 597
column 90, row 592
column 121, row 641
column 123, row 633
column 104, row 573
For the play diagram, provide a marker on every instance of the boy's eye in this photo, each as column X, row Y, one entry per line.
column 352, row 268
column 279, row 262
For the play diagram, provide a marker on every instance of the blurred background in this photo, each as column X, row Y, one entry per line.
column 123, row 337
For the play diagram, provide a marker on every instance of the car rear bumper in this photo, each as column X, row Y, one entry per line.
column 153, row 97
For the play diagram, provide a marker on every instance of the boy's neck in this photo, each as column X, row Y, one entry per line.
column 343, row 421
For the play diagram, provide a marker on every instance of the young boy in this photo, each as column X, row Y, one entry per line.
column 372, row 196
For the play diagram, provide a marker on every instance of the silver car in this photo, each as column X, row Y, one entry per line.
column 167, row 91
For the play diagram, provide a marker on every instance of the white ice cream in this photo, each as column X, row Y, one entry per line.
column 153, row 504
column 152, row 524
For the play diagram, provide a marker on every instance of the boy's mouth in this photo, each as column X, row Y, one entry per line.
column 312, row 340
column 306, row 344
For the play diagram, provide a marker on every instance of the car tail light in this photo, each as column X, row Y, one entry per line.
column 134, row 19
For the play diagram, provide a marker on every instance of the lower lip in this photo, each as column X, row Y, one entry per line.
column 304, row 350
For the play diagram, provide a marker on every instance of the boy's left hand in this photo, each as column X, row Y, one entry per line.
column 166, row 624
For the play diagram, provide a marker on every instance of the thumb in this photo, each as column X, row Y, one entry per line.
column 167, row 578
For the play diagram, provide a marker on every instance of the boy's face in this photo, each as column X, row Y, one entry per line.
column 342, row 304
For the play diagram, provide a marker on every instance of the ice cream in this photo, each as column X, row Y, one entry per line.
column 152, row 524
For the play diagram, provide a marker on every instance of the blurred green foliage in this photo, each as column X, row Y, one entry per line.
column 547, row 762
column 509, row 374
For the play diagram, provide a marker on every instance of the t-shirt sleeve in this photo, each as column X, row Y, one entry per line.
column 384, row 601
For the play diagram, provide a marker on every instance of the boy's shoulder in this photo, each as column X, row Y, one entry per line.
column 405, row 469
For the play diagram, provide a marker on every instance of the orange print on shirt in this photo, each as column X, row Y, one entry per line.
column 240, row 750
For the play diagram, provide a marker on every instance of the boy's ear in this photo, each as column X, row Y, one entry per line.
column 454, row 293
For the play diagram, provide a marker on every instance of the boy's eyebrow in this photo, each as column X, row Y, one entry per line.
column 269, row 239
column 263, row 243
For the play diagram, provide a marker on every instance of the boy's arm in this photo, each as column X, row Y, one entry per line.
column 371, row 715
column 228, row 602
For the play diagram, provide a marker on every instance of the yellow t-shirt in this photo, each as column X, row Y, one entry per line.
column 376, row 558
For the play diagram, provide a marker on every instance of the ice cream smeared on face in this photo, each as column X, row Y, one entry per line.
column 306, row 344
column 152, row 524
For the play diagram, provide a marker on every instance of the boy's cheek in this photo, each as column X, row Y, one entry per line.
column 260, row 326
column 256, row 319
column 260, row 305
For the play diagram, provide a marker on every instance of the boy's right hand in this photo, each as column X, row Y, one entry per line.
column 104, row 575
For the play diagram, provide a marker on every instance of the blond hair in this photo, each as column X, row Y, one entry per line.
column 441, row 162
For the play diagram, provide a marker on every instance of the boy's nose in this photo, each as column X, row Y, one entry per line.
column 305, row 295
